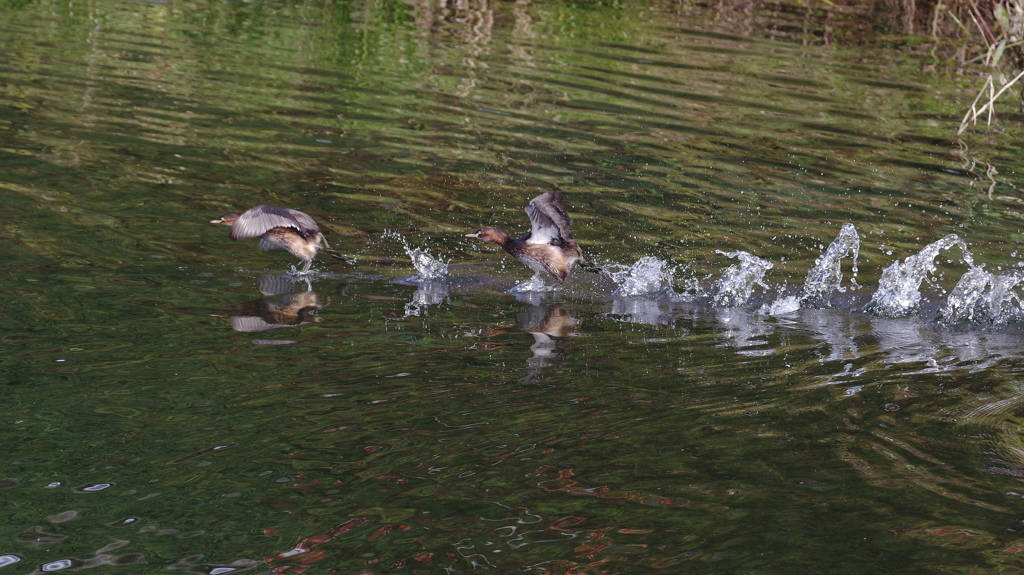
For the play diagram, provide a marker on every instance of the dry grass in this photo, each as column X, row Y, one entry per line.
column 998, row 27
column 989, row 95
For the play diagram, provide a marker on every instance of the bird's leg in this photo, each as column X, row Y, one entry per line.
column 305, row 270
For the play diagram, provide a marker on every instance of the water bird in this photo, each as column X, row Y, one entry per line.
column 549, row 246
column 284, row 228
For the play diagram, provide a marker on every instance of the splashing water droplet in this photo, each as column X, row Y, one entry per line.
column 898, row 292
column 1004, row 304
column 962, row 304
column 648, row 276
column 427, row 267
column 781, row 306
column 534, row 284
column 738, row 280
column 983, row 298
column 826, row 276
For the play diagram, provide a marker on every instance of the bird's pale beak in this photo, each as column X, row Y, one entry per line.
column 473, row 235
column 217, row 221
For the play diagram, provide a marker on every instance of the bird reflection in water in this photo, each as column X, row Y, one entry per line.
column 547, row 324
column 283, row 306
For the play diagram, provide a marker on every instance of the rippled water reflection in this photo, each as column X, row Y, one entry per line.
column 175, row 400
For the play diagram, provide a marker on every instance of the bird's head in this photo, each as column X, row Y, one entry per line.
column 226, row 219
column 490, row 234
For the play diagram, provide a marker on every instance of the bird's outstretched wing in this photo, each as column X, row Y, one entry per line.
column 549, row 220
column 261, row 219
column 307, row 227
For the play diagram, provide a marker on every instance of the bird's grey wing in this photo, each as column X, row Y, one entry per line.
column 306, row 224
column 549, row 220
column 260, row 220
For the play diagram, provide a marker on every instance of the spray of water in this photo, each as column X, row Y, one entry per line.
column 738, row 280
column 899, row 292
column 963, row 304
column 826, row 276
column 649, row 276
column 1005, row 305
column 535, row 284
column 427, row 267
column 782, row 306
column 981, row 298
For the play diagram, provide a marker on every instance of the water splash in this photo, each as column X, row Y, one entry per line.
column 899, row 292
column 983, row 298
column 535, row 284
column 427, row 267
column 738, row 280
column 1004, row 304
column 962, row 305
column 648, row 276
column 826, row 276
column 781, row 306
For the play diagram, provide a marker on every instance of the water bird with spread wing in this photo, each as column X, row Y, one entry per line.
column 549, row 246
column 284, row 228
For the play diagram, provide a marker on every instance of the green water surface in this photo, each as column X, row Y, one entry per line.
column 169, row 401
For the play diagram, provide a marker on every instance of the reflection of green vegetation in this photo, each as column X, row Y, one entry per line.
column 444, row 113
column 15, row 4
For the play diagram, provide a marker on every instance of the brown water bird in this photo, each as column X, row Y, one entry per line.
column 549, row 246
column 283, row 228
